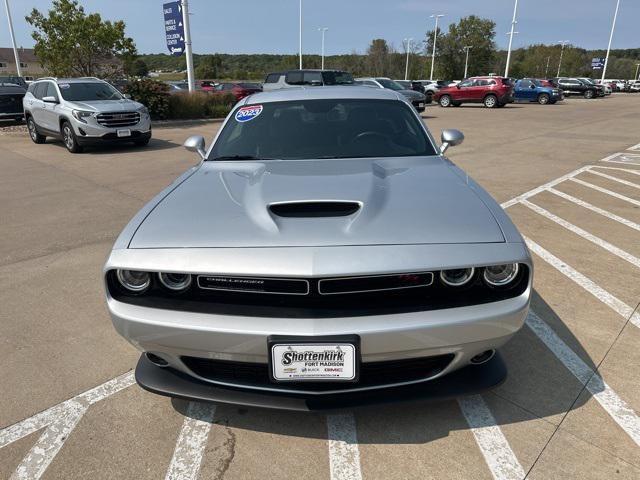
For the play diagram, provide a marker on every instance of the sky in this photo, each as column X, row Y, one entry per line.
column 271, row 26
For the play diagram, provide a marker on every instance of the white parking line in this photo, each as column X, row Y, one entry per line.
column 40, row 420
column 635, row 147
column 542, row 188
column 594, row 289
column 344, row 455
column 617, row 408
column 495, row 448
column 35, row 463
column 615, row 179
column 604, row 190
column 192, row 441
column 627, row 170
column 595, row 209
column 584, row 234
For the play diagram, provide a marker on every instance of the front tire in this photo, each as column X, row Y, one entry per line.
column 69, row 138
column 490, row 101
column 33, row 131
column 445, row 101
column 588, row 94
column 543, row 99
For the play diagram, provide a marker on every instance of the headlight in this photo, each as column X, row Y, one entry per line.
column 134, row 280
column 501, row 275
column 82, row 115
column 177, row 282
column 457, row 277
column 143, row 110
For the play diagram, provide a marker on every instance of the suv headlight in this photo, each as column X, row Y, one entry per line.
column 82, row 115
column 143, row 110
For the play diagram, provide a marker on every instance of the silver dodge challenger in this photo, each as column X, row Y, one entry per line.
column 323, row 252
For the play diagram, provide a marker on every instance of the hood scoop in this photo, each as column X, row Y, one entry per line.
column 314, row 209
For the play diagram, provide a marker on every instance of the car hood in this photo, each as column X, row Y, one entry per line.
column 406, row 200
column 107, row 105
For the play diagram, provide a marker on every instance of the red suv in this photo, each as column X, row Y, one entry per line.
column 492, row 91
column 240, row 90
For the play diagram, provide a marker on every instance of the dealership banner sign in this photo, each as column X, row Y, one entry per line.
column 597, row 63
column 173, row 27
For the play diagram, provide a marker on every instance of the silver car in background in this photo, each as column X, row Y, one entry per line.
column 83, row 111
column 323, row 252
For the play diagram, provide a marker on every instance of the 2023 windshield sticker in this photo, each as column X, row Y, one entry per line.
column 244, row 114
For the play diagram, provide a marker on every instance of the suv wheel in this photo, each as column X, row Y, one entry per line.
column 543, row 98
column 33, row 131
column 588, row 94
column 445, row 101
column 69, row 138
column 490, row 101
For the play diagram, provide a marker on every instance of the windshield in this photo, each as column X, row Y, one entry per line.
column 389, row 84
column 314, row 129
column 337, row 78
column 86, row 92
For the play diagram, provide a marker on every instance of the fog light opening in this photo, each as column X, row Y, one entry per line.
column 483, row 357
column 156, row 360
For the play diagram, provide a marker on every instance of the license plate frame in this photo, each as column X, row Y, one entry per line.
column 123, row 132
column 275, row 344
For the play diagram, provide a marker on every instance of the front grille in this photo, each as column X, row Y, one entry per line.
column 325, row 298
column 118, row 119
column 372, row 374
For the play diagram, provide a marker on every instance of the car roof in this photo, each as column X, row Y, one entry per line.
column 71, row 80
column 323, row 93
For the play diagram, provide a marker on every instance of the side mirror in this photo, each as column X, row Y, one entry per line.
column 127, row 96
column 50, row 100
column 450, row 138
column 458, row 86
column 532, row 87
column 195, row 143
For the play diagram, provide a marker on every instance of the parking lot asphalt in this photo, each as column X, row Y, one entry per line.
column 568, row 176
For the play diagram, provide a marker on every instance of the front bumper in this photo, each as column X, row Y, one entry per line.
column 173, row 383
column 462, row 332
column 112, row 137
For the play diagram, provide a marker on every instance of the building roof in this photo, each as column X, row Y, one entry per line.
column 26, row 55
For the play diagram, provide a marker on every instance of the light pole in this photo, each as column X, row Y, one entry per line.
column 546, row 70
column 187, row 42
column 613, row 27
column 563, row 43
column 13, row 38
column 466, row 60
column 323, row 30
column 300, row 34
column 407, row 42
column 513, row 26
column 435, row 37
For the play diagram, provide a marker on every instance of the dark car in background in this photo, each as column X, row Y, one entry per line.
column 11, row 96
column 532, row 90
column 416, row 87
column 15, row 80
column 417, row 99
column 575, row 86
column 490, row 91
column 239, row 90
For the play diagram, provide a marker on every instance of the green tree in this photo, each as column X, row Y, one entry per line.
column 71, row 43
column 378, row 57
column 208, row 67
column 450, row 55
column 136, row 68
